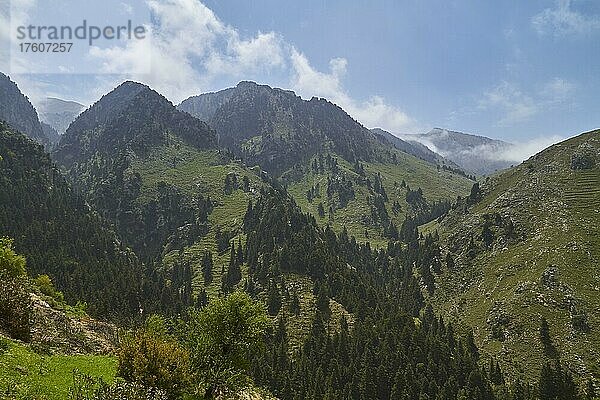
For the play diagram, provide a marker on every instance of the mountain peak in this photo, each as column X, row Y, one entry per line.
column 132, row 117
column 277, row 129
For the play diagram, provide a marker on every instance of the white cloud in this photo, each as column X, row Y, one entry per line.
column 374, row 112
column 522, row 150
column 563, row 20
column 517, row 106
column 190, row 47
column 190, row 39
column 190, row 50
column 261, row 53
column 507, row 97
column 514, row 152
column 558, row 90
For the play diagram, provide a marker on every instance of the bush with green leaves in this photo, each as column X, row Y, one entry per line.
column 154, row 359
column 11, row 264
column 221, row 339
column 15, row 302
column 44, row 283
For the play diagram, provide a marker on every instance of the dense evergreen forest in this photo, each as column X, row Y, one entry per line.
column 62, row 237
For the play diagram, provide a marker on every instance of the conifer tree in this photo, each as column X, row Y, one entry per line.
column 207, row 267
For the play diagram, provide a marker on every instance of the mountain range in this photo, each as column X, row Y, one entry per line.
column 334, row 167
column 385, row 269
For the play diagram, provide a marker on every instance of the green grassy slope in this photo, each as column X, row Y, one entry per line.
column 27, row 375
column 436, row 185
column 549, row 267
column 188, row 169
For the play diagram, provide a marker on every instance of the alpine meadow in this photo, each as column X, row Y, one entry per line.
column 280, row 200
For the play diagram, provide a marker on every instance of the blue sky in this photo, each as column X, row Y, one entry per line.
column 522, row 71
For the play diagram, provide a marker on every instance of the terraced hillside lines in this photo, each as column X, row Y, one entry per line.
column 543, row 260
column 191, row 170
column 586, row 190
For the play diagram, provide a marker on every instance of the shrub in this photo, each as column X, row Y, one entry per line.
column 152, row 358
column 221, row 338
column 583, row 158
column 15, row 302
column 15, row 307
column 12, row 264
column 44, row 283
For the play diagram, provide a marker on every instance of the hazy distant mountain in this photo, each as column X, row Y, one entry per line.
column 476, row 154
column 18, row 112
column 417, row 149
column 58, row 113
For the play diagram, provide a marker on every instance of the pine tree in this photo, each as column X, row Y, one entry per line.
column 207, row 267
column 321, row 210
column 487, row 235
column 274, row 299
column 202, row 299
column 234, row 272
column 546, row 340
column 295, row 303
column 323, row 302
column 449, row 261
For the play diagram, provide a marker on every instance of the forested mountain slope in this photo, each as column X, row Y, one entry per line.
column 156, row 174
column 336, row 169
column 59, row 234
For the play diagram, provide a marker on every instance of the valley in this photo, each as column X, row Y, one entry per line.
column 165, row 239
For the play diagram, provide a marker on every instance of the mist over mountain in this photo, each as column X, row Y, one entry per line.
column 415, row 148
column 476, row 154
column 58, row 113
